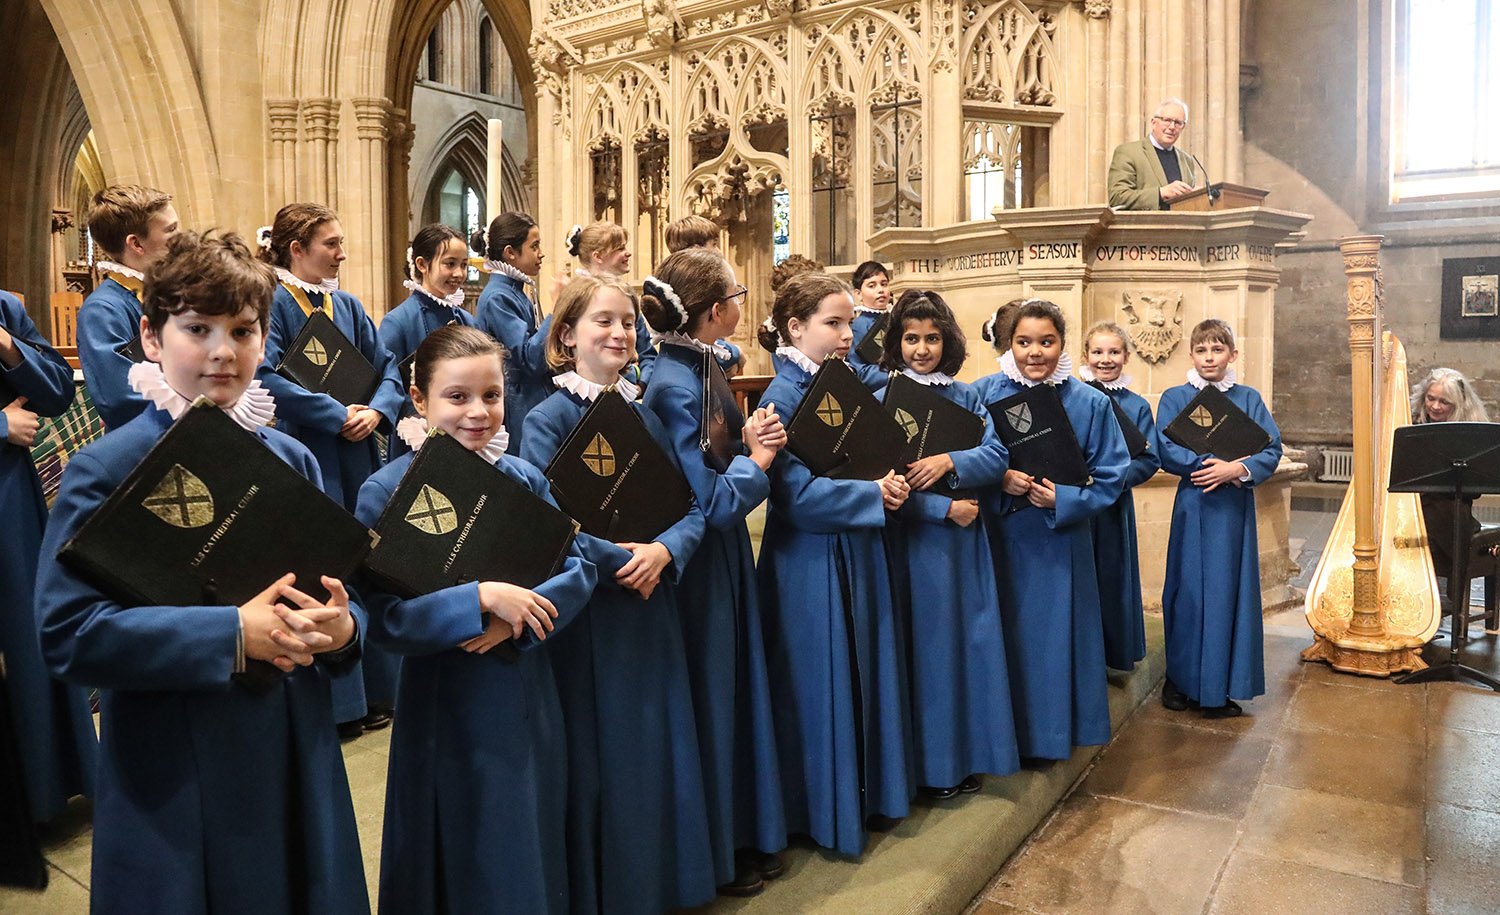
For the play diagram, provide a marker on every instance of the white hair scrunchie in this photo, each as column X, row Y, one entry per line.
column 411, row 264
column 575, row 237
column 660, row 289
column 263, row 238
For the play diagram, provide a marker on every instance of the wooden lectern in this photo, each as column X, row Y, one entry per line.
column 1231, row 197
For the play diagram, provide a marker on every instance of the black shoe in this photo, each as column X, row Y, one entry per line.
column 1173, row 698
column 769, row 864
column 1230, row 709
column 375, row 720
column 747, row 880
column 348, row 730
column 941, row 794
column 970, row 785
column 881, row 823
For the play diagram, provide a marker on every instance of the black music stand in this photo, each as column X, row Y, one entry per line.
column 1462, row 461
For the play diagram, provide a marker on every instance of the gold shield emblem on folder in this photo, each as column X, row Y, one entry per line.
column 830, row 412
column 1019, row 418
column 181, row 499
column 599, row 456
column 315, row 353
column 908, row 423
column 431, row 512
column 1202, row 417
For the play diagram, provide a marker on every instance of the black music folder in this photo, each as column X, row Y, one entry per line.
column 211, row 516
column 1212, row 424
column 21, row 862
column 841, row 430
column 133, row 350
column 715, row 438
column 1135, row 440
column 612, row 476
column 932, row 424
column 1035, row 429
column 324, row 361
column 871, row 347
column 456, row 518
column 7, row 394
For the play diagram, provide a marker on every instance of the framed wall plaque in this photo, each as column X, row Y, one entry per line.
column 1471, row 298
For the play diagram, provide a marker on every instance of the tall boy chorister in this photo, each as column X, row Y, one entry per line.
column 1211, row 596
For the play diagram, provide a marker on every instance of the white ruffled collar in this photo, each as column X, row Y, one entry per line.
column 413, row 431
column 1119, row 384
column 255, row 408
column 937, row 378
column 1012, row 371
column 288, row 278
column 121, row 269
column 1199, row 382
column 867, row 310
column 798, row 358
column 576, row 384
column 456, row 300
column 682, row 339
column 504, row 269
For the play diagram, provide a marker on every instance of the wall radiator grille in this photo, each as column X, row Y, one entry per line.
column 1338, row 465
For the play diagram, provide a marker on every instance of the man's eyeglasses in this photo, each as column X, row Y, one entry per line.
column 1170, row 122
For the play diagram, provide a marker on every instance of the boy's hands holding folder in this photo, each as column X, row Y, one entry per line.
column 1215, row 473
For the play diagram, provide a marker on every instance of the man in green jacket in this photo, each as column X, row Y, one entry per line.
column 1149, row 174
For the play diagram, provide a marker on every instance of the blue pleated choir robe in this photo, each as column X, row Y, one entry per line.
column 1049, row 587
column 59, row 751
column 402, row 330
column 211, row 797
column 315, row 421
column 721, row 624
column 109, row 319
column 507, row 313
column 962, row 722
column 638, row 822
column 1115, row 553
column 1211, row 594
column 835, row 645
column 476, row 797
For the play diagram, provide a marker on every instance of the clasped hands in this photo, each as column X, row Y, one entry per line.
column 360, row 422
column 290, row 636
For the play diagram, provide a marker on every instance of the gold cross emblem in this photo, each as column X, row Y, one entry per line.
column 315, row 353
column 1201, row 416
column 599, row 456
column 1019, row 418
column 908, row 424
column 431, row 512
column 830, row 412
column 181, row 499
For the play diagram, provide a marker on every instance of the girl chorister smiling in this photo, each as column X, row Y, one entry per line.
column 961, row 706
column 1049, row 589
column 1106, row 350
column 305, row 245
column 637, row 823
column 603, row 250
column 213, row 796
column 53, row 724
column 476, row 796
column 510, row 312
column 694, row 301
column 437, row 263
column 836, row 649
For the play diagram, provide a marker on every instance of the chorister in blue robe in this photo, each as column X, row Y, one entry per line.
column 1115, row 554
column 507, row 313
column 59, row 751
column 315, row 421
column 637, row 823
column 1211, row 594
column 721, row 625
column 109, row 319
column 403, row 329
column 871, row 374
column 1049, row 588
column 962, row 722
column 835, row 645
column 476, row 797
column 211, row 797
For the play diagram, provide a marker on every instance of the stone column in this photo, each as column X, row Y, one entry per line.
column 1100, row 64
column 281, row 117
column 320, row 121
column 370, row 203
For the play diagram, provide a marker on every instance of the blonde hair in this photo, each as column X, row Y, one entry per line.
column 691, row 232
column 574, row 301
column 1467, row 407
column 1111, row 328
column 599, row 238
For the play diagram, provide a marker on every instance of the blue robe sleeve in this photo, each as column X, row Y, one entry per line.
column 732, row 360
column 1108, row 458
column 89, row 640
column 43, row 376
column 1264, row 462
column 724, row 498
column 984, row 465
column 388, row 397
column 821, row 505
column 542, row 434
column 570, row 589
column 294, row 403
column 503, row 318
column 1145, row 465
column 682, row 538
column 105, row 325
column 928, row 507
column 645, row 354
